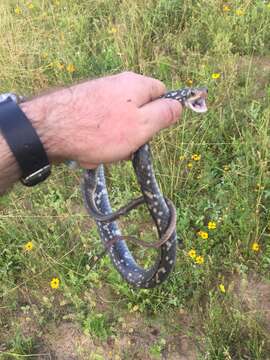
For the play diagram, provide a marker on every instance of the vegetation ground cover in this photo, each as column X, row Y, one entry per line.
column 214, row 167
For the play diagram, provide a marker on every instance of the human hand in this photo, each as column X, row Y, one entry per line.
column 102, row 120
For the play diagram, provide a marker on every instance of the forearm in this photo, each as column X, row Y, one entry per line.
column 9, row 170
column 54, row 116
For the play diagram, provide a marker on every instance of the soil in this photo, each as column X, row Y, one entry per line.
column 255, row 295
column 257, row 68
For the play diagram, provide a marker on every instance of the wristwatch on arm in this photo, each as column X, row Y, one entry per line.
column 23, row 141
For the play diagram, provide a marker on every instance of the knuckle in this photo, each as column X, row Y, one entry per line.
column 157, row 88
column 161, row 86
column 128, row 74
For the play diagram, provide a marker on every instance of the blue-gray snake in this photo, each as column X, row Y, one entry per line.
column 96, row 200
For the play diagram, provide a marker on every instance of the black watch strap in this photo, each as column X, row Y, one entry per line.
column 24, row 143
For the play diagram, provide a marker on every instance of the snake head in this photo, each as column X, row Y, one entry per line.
column 195, row 99
column 192, row 98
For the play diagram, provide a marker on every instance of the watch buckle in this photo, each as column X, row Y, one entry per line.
column 37, row 176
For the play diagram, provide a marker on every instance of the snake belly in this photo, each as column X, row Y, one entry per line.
column 119, row 252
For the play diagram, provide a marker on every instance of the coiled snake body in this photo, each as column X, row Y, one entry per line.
column 162, row 210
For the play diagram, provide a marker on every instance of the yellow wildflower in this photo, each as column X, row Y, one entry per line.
column 226, row 168
column 54, row 283
column 215, row 76
column 192, row 253
column 18, row 10
column 70, row 68
column 134, row 308
column 28, row 246
column 196, row 157
column 255, row 247
column 182, row 157
column 203, row 234
column 239, row 12
column 112, row 30
column 222, row 288
column 212, row 225
column 59, row 65
column 190, row 165
column 199, row 260
column 30, row 6
column 226, row 8
column 189, row 82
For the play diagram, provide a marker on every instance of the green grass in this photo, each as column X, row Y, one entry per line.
column 175, row 41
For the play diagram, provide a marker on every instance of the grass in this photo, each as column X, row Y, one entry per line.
column 55, row 43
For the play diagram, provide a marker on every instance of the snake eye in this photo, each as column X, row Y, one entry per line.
column 192, row 93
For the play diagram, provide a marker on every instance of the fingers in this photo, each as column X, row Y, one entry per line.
column 142, row 89
column 159, row 114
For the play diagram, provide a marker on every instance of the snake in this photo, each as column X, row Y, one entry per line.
column 162, row 210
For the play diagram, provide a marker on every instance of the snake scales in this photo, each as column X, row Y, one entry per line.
column 162, row 210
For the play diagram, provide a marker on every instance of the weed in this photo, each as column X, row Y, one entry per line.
column 224, row 46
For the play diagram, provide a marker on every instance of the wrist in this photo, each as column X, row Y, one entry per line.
column 22, row 152
column 44, row 113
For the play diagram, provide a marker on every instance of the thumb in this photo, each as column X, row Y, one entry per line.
column 160, row 114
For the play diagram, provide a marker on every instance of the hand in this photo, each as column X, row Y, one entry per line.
column 103, row 120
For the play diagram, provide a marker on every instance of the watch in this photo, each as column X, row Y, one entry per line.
column 23, row 141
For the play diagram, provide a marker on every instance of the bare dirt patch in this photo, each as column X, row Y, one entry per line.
column 134, row 340
column 255, row 293
column 258, row 68
column 66, row 342
column 136, row 337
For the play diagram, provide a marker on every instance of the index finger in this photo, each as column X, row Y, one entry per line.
column 143, row 89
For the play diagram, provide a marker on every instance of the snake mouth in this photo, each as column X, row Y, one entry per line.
column 197, row 102
column 198, row 105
